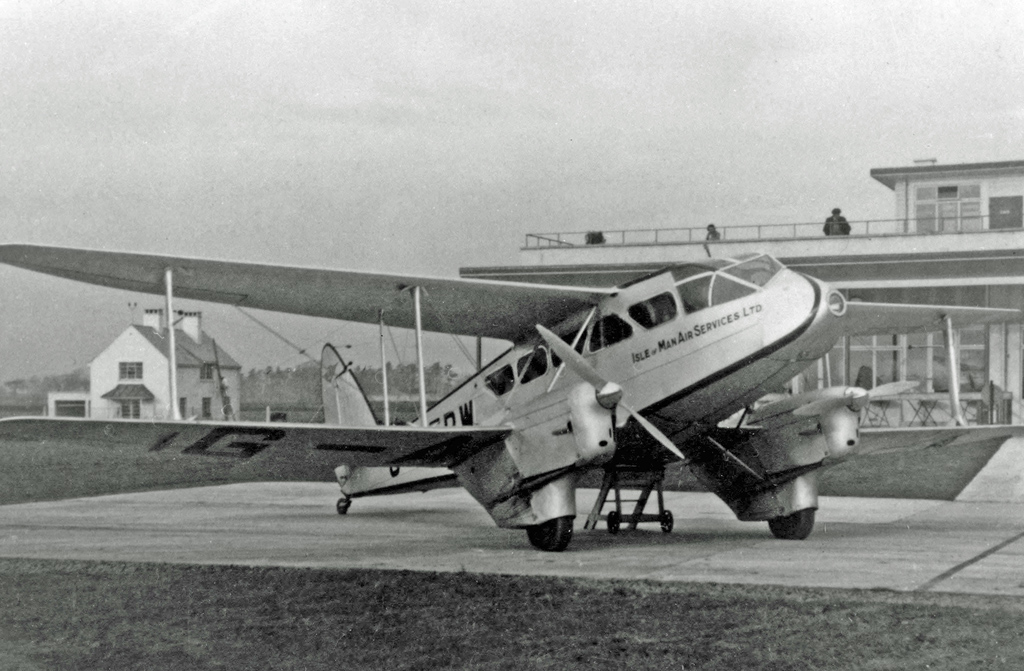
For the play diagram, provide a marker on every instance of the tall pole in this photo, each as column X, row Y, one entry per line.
column 172, row 357
column 384, row 373
column 419, row 355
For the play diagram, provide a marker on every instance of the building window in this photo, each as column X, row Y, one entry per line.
column 948, row 209
column 182, row 407
column 129, row 370
column 207, row 407
column 131, row 409
column 206, row 371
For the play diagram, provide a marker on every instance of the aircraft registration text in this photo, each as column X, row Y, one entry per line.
column 695, row 332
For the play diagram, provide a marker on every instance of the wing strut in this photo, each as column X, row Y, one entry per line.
column 416, row 291
column 172, row 349
column 384, row 373
column 954, row 373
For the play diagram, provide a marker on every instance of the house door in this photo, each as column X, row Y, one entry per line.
column 1006, row 212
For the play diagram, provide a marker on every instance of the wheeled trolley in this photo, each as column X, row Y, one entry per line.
column 618, row 478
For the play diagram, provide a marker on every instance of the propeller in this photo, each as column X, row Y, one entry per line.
column 855, row 398
column 609, row 394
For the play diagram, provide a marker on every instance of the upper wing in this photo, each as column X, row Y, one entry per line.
column 300, row 450
column 506, row 310
column 885, row 318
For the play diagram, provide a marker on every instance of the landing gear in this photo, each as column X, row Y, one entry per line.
column 551, row 536
column 667, row 521
column 795, row 527
column 343, row 505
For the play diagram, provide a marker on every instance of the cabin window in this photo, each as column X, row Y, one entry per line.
column 501, row 381
column 654, row 311
column 556, row 360
column 725, row 290
column 129, row 370
column 695, row 293
column 532, row 365
column 609, row 330
column 756, row 271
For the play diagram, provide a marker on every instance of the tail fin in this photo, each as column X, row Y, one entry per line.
column 345, row 404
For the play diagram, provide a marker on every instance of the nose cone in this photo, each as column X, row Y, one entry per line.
column 609, row 395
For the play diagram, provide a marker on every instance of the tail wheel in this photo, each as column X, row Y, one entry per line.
column 343, row 505
column 551, row 536
column 795, row 527
column 614, row 520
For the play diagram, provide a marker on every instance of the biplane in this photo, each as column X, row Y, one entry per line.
column 667, row 367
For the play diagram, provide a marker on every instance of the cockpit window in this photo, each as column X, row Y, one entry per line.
column 609, row 330
column 757, row 270
column 725, row 290
column 654, row 311
column 687, row 270
column 501, row 381
column 533, row 365
column 695, row 293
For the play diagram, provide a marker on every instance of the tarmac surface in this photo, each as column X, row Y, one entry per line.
column 898, row 544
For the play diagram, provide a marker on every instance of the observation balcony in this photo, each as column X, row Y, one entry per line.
column 879, row 252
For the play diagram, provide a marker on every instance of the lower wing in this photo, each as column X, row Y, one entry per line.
column 301, row 450
column 876, row 440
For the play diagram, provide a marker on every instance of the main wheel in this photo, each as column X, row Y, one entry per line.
column 667, row 522
column 551, row 536
column 795, row 527
column 343, row 505
column 614, row 520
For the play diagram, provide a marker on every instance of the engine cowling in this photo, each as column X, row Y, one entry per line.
column 841, row 429
column 592, row 426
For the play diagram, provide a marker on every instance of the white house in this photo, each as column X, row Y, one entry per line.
column 130, row 378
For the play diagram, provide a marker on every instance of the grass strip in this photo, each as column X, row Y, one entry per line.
column 86, row 615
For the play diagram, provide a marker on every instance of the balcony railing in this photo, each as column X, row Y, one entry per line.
column 741, row 232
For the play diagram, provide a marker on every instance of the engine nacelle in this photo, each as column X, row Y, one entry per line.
column 592, row 426
column 841, row 429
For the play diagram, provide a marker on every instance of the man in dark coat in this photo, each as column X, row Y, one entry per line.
column 836, row 224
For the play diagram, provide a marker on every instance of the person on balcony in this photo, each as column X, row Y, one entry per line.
column 713, row 233
column 836, row 224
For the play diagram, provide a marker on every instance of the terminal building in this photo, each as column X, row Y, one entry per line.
column 956, row 237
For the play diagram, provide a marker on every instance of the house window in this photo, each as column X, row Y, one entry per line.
column 207, row 407
column 182, row 407
column 129, row 370
column 131, row 408
column 206, row 371
column 948, row 209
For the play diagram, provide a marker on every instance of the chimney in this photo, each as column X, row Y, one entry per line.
column 191, row 322
column 153, row 318
column 925, row 161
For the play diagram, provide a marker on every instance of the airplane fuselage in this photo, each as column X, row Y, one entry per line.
column 689, row 348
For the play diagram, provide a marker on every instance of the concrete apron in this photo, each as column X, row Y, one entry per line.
column 907, row 545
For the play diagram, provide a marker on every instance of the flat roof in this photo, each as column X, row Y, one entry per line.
column 889, row 176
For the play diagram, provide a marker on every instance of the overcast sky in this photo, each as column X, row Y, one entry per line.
column 420, row 137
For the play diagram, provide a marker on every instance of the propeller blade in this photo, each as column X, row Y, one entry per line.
column 609, row 394
column 893, row 388
column 855, row 399
column 654, row 431
column 573, row 359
